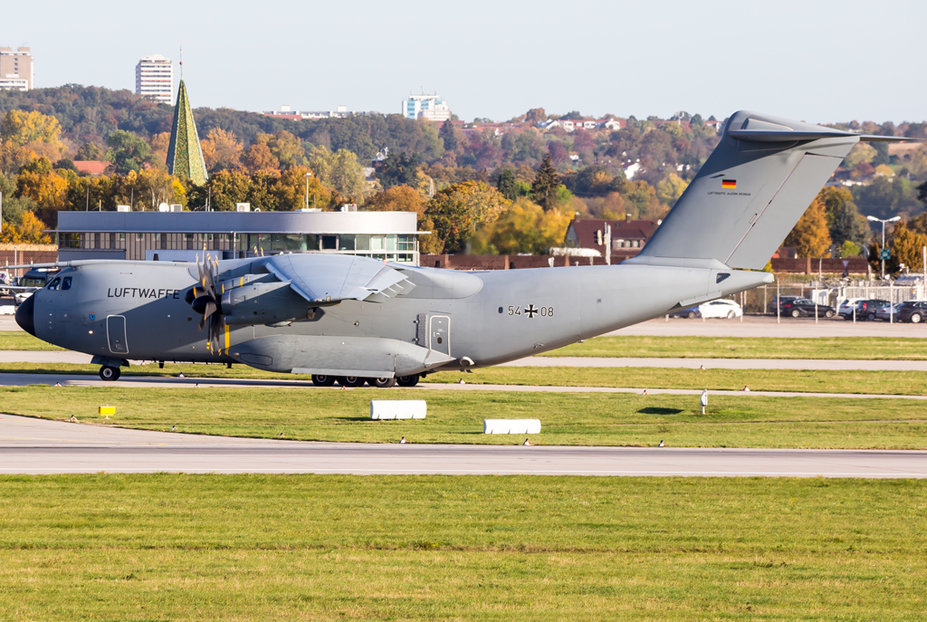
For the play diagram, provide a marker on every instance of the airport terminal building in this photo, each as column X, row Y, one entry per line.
column 168, row 236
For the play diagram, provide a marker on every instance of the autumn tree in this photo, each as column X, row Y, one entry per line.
column 285, row 147
column 459, row 210
column 398, row 169
column 670, row 188
column 48, row 189
column 810, row 235
column 26, row 136
column 397, row 199
column 907, row 246
column 523, row 227
column 258, row 158
column 221, row 150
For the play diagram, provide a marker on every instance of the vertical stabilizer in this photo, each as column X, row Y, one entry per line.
column 750, row 192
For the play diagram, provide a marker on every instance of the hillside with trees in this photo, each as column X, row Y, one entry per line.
column 484, row 186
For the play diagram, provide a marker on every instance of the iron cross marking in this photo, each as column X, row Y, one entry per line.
column 530, row 310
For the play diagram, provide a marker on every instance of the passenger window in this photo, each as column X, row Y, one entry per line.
column 66, row 283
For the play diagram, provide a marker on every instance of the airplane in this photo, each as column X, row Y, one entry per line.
column 351, row 320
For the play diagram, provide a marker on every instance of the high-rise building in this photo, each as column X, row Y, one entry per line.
column 184, row 156
column 154, row 78
column 16, row 69
column 428, row 107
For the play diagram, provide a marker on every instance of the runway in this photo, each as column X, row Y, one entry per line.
column 35, row 446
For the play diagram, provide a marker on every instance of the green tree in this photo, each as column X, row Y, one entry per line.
column 127, row 151
column 347, row 175
column 459, row 210
column 670, row 188
column 448, row 136
column 398, row 169
column 544, row 187
column 844, row 222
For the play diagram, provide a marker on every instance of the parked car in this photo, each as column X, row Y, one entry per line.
column 846, row 306
column 864, row 309
column 914, row 311
column 803, row 306
column 778, row 301
column 888, row 312
column 720, row 308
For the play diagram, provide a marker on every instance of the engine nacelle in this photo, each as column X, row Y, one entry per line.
column 264, row 303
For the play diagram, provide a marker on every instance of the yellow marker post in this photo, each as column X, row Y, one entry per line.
column 107, row 410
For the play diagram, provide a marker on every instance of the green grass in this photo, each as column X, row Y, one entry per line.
column 21, row 340
column 457, row 416
column 860, row 348
column 188, row 547
column 817, row 381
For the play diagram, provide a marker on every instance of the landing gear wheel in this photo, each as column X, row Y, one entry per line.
column 407, row 381
column 321, row 380
column 382, row 383
column 795, row 312
column 350, row 381
column 109, row 373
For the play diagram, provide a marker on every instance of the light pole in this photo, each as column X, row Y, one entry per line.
column 882, row 248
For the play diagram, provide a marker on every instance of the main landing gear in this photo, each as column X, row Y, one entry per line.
column 321, row 380
column 107, row 372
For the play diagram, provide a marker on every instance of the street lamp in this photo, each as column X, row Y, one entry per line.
column 882, row 248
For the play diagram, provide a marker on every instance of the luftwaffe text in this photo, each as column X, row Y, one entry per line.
column 141, row 292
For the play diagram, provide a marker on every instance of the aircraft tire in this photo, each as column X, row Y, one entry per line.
column 321, row 380
column 407, row 381
column 382, row 383
column 109, row 373
column 350, row 381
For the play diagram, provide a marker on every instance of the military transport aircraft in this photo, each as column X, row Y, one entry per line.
column 352, row 320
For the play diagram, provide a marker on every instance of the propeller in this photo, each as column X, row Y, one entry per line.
column 207, row 301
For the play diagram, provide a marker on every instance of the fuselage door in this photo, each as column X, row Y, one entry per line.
column 116, row 334
column 439, row 333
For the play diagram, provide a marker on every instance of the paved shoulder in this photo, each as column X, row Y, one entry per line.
column 39, row 446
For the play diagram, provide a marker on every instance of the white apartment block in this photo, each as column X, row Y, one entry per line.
column 428, row 107
column 154, row 79
column 16, row 69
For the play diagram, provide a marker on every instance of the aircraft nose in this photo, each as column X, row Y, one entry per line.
column 25, row 315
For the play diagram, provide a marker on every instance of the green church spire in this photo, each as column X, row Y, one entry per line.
column 184, row 156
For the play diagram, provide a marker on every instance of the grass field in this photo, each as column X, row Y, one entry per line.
column 813, row 381
column 859, row 348
column 457, row 416
column 187, row 547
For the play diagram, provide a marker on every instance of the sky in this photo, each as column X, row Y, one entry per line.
column 815, row 60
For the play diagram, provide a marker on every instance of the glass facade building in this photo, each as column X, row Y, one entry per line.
column 392, row 236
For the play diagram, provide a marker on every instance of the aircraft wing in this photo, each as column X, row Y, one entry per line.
column 332, row 278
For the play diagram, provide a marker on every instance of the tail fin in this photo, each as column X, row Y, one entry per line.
column 750, row 192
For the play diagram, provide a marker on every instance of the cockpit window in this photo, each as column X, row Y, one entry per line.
column 55, row 283
column 66, row 283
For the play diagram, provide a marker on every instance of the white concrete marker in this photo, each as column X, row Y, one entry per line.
column 397, row 409
column 511, row 426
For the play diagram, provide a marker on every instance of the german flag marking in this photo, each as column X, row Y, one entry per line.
column 728, row 183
